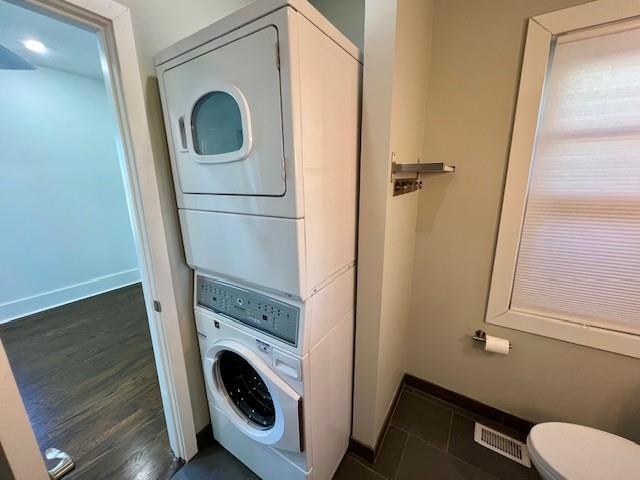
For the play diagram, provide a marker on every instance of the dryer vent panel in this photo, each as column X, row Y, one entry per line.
column 502, row 444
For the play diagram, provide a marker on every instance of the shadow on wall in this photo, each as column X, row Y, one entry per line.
column 437, row 187
column 159, row 141
column 159, row 146
column 629, row 422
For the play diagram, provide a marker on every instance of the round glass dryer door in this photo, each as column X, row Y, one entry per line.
column 246, row 390
column 226, row 120
column 217, row 124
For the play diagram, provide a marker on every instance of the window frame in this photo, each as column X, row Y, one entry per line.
column 541, row 34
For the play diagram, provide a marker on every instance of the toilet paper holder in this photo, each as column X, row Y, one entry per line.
column 481, row 336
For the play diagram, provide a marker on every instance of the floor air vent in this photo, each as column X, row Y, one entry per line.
column 502, row 444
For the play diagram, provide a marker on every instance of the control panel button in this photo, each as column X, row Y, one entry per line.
column 258, row 311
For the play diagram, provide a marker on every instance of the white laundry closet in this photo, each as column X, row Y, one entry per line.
column 262, row 112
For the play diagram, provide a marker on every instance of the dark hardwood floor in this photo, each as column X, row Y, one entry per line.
column 87, row 377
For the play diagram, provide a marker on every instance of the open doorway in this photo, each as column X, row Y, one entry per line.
column 73, row 316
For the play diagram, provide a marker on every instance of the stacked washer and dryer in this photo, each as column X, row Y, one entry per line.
column 262, row 116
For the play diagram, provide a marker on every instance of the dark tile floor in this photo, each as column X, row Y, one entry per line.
column 213, row 462
column 427, row 439
column 431, row 439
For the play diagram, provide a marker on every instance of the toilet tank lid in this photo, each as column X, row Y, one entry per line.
column 575, row 451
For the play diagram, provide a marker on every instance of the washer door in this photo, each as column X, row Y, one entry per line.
column 253, row 396
column 225, row 115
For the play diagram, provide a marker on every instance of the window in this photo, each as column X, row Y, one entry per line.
column 568, row 257
column 216, row 124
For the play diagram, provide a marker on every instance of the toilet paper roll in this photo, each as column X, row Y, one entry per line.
column 496, row 345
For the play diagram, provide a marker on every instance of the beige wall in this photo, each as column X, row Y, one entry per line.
column 413, row 37
column 379, row 37
column 158, row 25
column 397, row 39
column 476, row 55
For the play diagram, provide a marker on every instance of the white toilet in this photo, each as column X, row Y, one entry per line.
column 564, row 451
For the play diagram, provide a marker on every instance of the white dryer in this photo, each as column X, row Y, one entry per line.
column 278, row 375
column 262, row 116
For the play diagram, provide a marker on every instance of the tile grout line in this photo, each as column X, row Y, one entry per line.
column 453, row 410
column 462, row 412
column 390, row 424
column 433, row 400
column 402, row 429
column 384, row 437
column 404, row 449
column 427, row 442
column 450, row 429
column 474, row 465
column 463, row 460
column 421, row 439
column 363, row 464
column 456, row 409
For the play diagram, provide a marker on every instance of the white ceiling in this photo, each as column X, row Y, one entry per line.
column 69, row 48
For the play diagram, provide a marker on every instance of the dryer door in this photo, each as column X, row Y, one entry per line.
column 254, row 398
column 225, row 111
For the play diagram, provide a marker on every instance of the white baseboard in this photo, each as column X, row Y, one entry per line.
column 61, row 296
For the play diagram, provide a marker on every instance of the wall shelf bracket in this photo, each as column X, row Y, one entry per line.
column 422, row 168
column 411, row 184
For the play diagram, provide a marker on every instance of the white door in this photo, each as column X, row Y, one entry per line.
column 252, row 396
column 226, row 118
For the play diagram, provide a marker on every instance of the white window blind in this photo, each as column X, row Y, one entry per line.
column 579, row 253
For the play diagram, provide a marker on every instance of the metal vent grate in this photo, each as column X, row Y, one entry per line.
column 502, row 444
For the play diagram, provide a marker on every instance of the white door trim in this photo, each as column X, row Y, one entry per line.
column 16, row 436
column 112, row 22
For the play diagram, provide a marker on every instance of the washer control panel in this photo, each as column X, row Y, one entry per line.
column 271, row 316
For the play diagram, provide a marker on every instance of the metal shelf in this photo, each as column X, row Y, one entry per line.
column 422, row 168
column 406, row 185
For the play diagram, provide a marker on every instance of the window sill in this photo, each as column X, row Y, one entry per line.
column 594, row 337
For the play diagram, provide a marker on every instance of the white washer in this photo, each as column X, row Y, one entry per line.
column 262, row 116
column 278, row 375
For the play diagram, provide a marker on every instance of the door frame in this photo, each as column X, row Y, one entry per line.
column 112, row 23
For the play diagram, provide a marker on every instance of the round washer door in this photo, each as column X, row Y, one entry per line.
column 253, row 396
column 246, row 389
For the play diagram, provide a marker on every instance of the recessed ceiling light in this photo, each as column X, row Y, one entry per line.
column 35, row 46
